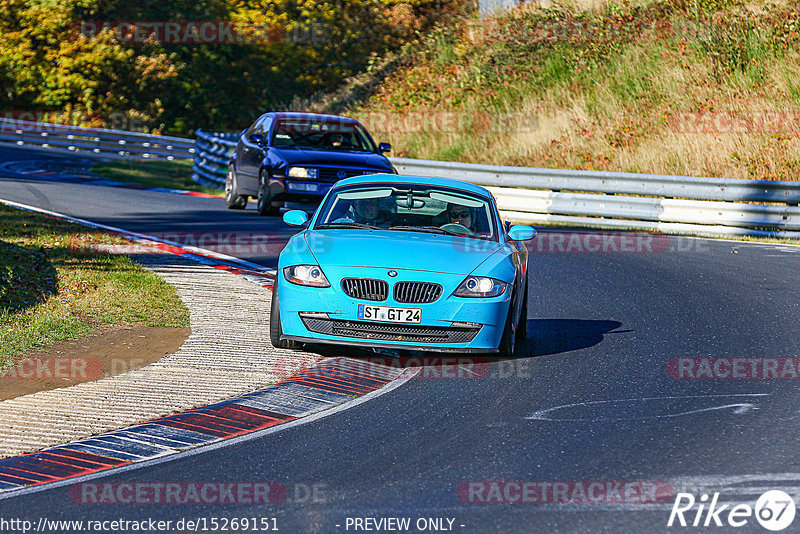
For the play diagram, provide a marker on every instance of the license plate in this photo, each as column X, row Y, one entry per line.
column 389, row 315
column 293, row 186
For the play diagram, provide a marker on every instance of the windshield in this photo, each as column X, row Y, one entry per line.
column 413, row 208
column 329, row 134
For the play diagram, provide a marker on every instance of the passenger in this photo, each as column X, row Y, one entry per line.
column 368, row 211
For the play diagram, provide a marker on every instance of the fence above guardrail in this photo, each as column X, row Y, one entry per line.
column 117, row 144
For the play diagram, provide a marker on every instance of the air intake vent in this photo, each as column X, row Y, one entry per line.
column 416, row 292
column 365, row 288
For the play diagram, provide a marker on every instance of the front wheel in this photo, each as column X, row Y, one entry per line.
column 522, row 327
column 233, row 199
column 264, row 205
column 508, row 343
column 275, row 329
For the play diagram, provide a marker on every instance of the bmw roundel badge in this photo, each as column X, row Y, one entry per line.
column 392, row 273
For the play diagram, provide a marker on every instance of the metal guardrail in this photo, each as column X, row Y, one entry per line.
column 213, row 152
column 99, row 142
column 606, row 200
column 592, row 199
column 727, row 189
column 615, row 200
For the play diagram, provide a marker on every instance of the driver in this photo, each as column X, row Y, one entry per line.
column 457, row 214
column 337, row 140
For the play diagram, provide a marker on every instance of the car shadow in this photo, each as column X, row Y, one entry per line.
column 554, row 336
column 545, row 337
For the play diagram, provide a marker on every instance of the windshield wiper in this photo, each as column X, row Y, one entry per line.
column 348, row 225
column 426, row 229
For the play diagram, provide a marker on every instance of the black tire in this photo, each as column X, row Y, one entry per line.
column 233, row 199
column 264, row 205
column 522, row 327
column 508, row 344
column 275, row 330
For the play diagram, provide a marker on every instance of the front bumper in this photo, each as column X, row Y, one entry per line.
column 328, row 315
column 297, row 191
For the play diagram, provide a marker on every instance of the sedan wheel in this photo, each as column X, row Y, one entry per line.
column 264, row 205
column 233, row 199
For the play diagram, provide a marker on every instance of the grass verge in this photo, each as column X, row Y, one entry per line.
column 176, row 174
column 54, row 286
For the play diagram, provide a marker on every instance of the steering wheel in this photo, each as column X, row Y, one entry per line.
column 456, row 228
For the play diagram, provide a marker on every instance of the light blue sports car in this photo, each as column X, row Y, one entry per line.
column 403, row 262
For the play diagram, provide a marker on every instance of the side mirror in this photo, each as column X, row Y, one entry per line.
column 384, row 147
column 521, row 232
column 296, row 218
column 257, row 139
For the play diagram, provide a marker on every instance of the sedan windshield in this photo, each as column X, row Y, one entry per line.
column 322, row 134
column 409, row 208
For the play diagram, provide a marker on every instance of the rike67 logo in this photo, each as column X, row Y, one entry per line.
column 774, row 510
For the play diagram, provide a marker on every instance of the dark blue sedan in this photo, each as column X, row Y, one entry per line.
column 293, row 159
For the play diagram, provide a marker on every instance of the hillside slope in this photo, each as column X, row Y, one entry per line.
column 696, row 87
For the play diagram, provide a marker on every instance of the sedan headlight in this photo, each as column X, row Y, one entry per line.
column 303, row 172
column 306, row 275
column 480, row 286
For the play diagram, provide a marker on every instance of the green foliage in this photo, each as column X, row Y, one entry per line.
column 734, row 42
column 48, row 63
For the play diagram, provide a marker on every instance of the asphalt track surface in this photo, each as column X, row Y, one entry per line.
column 588, row 399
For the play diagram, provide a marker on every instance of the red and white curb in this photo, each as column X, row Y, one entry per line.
column 332, row 383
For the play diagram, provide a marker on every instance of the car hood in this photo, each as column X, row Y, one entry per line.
column 399, row 250
column 301, row 156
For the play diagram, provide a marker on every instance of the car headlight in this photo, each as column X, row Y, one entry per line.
column 303, row 172
column 306, row 275
column 480, row 286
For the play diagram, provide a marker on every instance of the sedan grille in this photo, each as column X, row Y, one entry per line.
column 365, row 288
column 391, row 332
column 328, row 174
column 416, row 292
